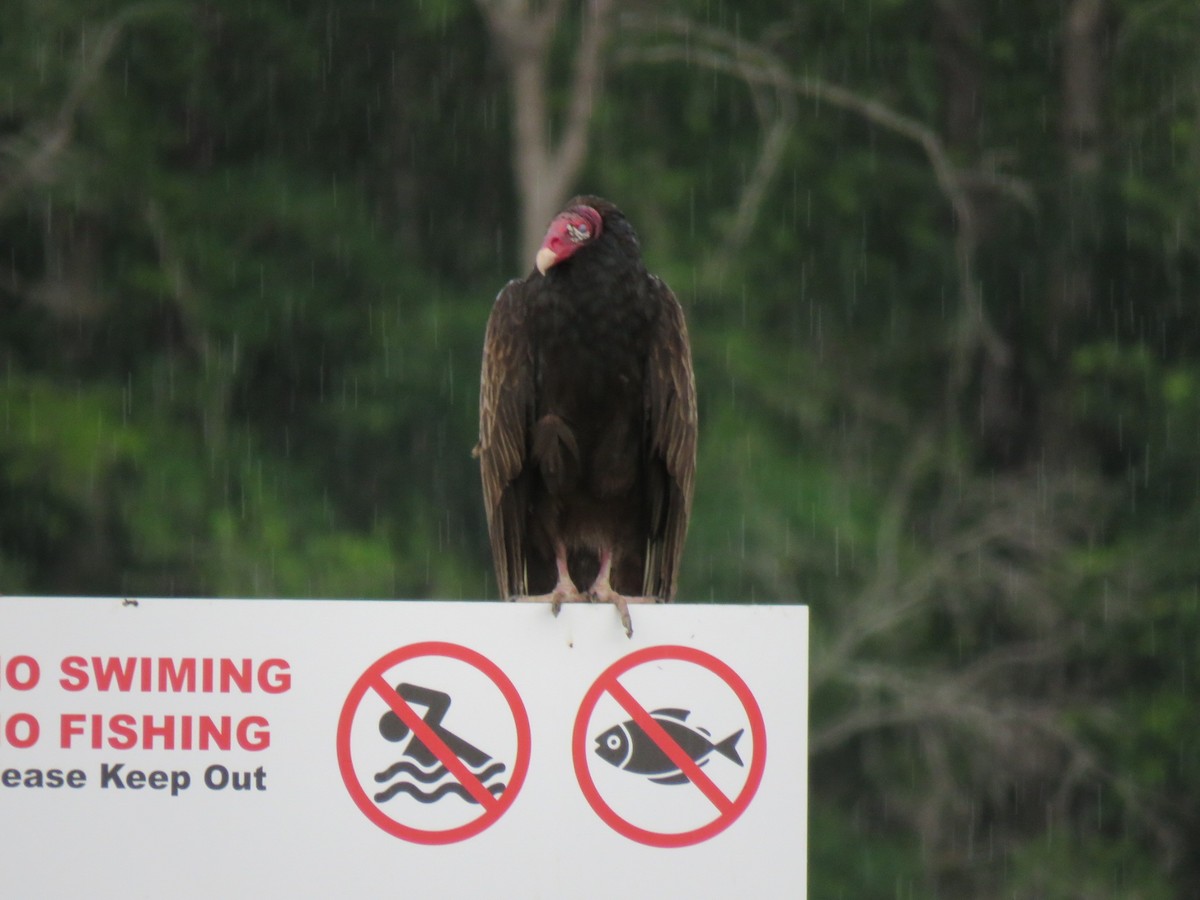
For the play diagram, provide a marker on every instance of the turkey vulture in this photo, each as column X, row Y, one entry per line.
column 587, row 421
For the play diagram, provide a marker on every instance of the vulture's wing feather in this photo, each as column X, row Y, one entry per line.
column 671, row 434
column 506, row 397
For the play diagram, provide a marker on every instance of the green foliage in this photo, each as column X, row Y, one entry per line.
column 846, row 864
column 1073, row 869
column 253, row 370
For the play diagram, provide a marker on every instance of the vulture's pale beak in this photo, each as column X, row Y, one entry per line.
column 545, row 259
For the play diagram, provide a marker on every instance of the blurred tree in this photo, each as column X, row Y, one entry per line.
column 546, row 168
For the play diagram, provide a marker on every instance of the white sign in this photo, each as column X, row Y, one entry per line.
column 199, row 748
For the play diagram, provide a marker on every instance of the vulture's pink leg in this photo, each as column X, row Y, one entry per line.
column 565, row 591
column 601, row 592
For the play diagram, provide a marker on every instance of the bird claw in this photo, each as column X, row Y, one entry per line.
column 559, row 597
column 620, row 601
column 623, row 608
column 555, row 598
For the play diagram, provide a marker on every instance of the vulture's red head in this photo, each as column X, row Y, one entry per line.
column 571, row 229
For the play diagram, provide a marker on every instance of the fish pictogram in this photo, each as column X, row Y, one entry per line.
column 628, row 747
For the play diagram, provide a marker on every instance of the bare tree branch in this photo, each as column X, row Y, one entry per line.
column 545, row 169
column 220, row 365
column 11, row 280
column 719, row 51
column 39, row 151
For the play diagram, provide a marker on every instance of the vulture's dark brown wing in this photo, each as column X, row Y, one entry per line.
column 671, row 445
column 505, row 414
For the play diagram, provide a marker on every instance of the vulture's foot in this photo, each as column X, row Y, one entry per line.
column 565, row 590
column 602, row 592
column 561, row 594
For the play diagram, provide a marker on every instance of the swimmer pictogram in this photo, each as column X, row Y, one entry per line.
column 420, row 772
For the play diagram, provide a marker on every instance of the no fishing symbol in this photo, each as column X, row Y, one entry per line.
column 433, row 743
column 669, row 746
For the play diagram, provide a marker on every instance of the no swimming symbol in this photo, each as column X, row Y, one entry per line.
column 421, row 765
column 420, row 796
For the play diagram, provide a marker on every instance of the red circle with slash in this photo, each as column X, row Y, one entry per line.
column 373, row 680
column 728, row 808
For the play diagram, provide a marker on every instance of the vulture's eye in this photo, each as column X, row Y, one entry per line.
column 578, row 233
